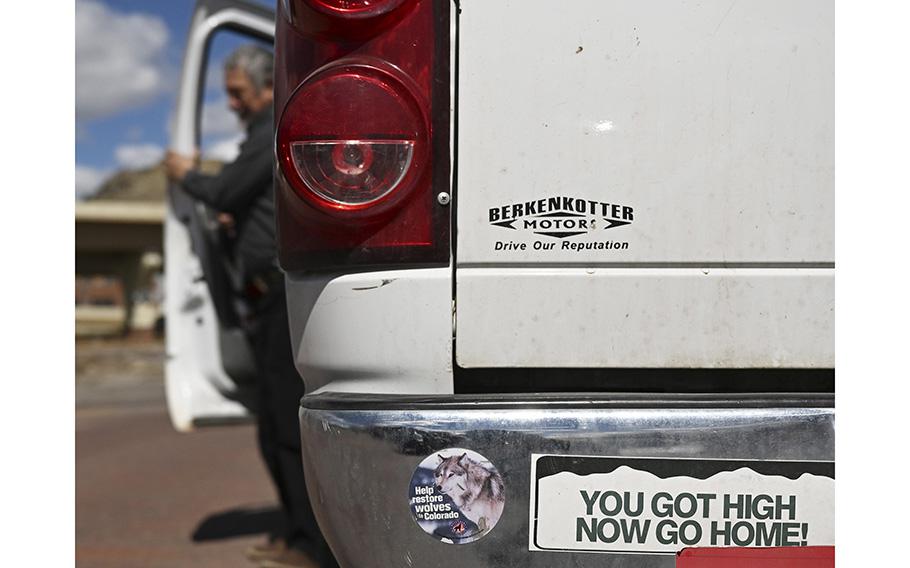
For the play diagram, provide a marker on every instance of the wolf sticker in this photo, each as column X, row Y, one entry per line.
column 457, row 495
column 476, row 490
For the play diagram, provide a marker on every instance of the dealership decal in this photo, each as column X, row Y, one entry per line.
column 561, row 218
column 456, row 496
column 662, row 505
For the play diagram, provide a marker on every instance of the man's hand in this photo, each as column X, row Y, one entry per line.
column 228, row 225
column 177, row 165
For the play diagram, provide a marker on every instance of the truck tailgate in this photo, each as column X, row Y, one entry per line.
column 645, row 183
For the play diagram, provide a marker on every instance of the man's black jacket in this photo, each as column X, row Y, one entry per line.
column 243, row 188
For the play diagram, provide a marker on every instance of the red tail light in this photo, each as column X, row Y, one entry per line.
column 355, row 8
column 363, row 135
column 353, row 137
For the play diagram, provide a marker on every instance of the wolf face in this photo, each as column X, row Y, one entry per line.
column 450, row 475
column 476, row 490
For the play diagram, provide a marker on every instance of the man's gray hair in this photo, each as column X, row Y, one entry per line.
column 258, row 63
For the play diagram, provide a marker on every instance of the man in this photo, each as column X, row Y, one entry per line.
column 242, row 194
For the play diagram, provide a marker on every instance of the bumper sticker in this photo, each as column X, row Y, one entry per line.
column 456, row 496
column 663, row 505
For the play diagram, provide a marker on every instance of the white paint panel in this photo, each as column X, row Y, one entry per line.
column 662, row 317
column 375, row 332
column 713, row 119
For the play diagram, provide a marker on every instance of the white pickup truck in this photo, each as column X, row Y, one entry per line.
column 560, row 277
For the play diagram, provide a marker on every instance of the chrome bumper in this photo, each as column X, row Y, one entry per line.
column 361, row 451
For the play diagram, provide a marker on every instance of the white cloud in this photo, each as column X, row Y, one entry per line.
column 119, row 59
column 224, row 150
column 222, row 132
column 138, row 156
column 217, row 118
column 219, row 126
column 88, row 180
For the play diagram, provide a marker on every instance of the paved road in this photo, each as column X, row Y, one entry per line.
column 147, row 496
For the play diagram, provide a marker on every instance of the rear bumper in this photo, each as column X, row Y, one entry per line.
column 361, row 451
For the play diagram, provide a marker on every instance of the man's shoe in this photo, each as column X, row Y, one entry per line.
column 270, row 549
column 290, row 558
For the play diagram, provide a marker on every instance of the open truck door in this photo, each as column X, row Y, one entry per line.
column 209, row 374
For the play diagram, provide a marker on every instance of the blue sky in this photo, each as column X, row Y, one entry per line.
column 128, row 55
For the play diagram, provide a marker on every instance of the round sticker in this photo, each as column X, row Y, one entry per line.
column 456, row 495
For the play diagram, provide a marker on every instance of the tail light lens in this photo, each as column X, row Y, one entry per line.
column 355, row 8
column 363, row 135
column 352, row 174
column 354, row 138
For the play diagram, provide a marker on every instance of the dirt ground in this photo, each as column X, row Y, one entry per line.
column 147, row 496
column 119, row 361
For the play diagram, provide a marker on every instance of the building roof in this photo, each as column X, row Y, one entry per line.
column 126, row 212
